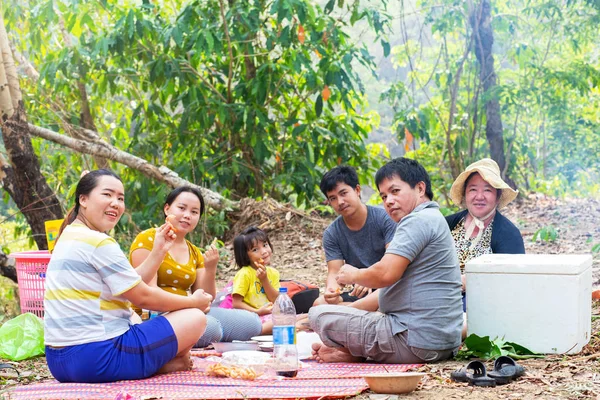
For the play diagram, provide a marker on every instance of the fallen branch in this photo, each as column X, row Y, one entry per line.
column 94, row 145
column 585, row 358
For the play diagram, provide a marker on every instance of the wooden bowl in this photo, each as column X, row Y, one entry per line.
column 394, row 382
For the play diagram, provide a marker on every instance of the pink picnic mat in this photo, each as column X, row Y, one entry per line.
column 314, row 381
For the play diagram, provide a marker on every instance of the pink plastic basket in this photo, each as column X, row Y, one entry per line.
column 31, row 273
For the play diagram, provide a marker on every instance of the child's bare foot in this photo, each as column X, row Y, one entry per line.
column 323, row 353
column 181, row 363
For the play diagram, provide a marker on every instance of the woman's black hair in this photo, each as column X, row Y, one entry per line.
column 244, row 242
column 86, row 184
column 177, row 191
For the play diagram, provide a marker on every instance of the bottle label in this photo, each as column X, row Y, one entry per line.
column 284, row 335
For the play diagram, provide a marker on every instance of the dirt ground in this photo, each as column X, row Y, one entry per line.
column 296, row 238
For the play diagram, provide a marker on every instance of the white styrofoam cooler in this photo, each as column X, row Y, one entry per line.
column 540, row 301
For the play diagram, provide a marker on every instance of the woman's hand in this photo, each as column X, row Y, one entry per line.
column 203, row 300
column 164, row 238
column 211, row 258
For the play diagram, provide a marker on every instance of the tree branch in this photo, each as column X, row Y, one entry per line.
column 29, row 69
column 226, row 28
column 95, row 146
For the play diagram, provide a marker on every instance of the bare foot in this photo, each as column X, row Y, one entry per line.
column 323, row 353
column 181, row 363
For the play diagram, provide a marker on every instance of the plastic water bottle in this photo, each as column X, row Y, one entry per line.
column 284, row 336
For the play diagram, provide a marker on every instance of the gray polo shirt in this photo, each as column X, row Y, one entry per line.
column 361, row 248
column 426, row 301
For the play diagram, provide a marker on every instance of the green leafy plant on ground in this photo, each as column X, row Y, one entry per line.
column 484, row 348
column 545, row 234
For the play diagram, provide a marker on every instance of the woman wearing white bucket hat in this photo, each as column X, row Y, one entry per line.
column 480, row 228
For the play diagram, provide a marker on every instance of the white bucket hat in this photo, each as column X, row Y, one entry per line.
column 489, row 171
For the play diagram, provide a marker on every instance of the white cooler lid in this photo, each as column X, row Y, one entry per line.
column 553, row 264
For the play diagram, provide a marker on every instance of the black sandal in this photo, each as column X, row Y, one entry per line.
column 476, row 378
column 505, row 370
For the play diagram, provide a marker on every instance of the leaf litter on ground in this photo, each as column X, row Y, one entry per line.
column 555, row 376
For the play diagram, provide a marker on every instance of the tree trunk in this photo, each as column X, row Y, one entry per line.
column 22, row 178
column 7, row 268
column 28, row 188
column 484, row 40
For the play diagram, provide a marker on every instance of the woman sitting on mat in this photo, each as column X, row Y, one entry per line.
column 89, row 287
column 185, row 268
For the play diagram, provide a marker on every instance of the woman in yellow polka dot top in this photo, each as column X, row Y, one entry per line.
column 185, row 269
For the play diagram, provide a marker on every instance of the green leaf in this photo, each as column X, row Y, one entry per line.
column 386, row 48
column 310, row 153
column 301, row 10
column 329, row 6
column 319, row 106
column 210, row 41
column 483, row 347
column 87, row 20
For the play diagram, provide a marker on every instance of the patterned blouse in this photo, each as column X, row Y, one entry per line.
column 171, row 276
column 463, row 245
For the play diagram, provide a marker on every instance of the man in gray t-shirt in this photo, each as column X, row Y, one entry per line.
column 359, row 235
column 417, row 315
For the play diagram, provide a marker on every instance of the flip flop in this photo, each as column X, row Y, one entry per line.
column 6, row 365
column 476, row 378
column 505, row 370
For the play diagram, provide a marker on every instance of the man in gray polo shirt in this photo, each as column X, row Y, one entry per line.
column 417, row 315
column 358, row 236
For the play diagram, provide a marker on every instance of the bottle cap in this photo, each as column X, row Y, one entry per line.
column 282, row 290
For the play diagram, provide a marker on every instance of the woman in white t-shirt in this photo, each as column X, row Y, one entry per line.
column 89, row 287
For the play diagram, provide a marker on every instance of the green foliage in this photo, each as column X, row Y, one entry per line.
column 545, row 234
column 229, row 95
column 15, row 235
column 596, row 248
column 223, row 92
column 484, row 348
column 548, row 89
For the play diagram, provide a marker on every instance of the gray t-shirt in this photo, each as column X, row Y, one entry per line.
column 426, row 301
column 361, row 248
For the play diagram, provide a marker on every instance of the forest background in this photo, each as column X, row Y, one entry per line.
column 259, row 98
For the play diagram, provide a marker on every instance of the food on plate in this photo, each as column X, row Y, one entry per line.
column 232, row 371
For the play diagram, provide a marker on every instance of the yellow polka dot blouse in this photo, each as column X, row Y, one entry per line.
column 172, row 277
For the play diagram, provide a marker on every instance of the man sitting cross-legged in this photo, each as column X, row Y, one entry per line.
column 358, row 236
column 416, row 316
